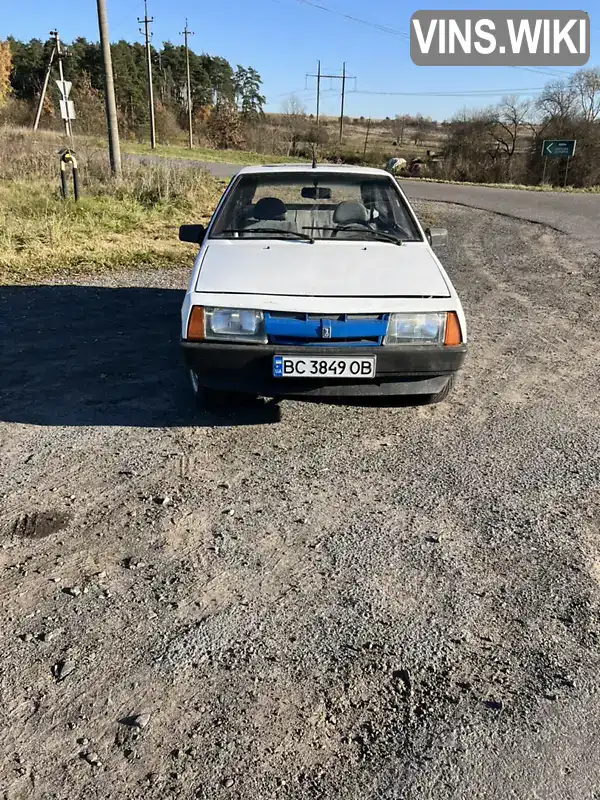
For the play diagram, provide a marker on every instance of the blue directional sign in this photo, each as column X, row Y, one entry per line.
column 558, row 148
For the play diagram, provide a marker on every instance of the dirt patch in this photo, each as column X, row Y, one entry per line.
column 39, row 524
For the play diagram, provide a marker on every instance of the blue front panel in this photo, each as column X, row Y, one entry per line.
column 342, row 330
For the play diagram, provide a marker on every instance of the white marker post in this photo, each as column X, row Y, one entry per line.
column 67, row 108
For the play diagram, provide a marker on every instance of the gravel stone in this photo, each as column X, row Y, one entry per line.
column 63, row 669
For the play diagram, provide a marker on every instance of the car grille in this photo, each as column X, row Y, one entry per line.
column 334, row 330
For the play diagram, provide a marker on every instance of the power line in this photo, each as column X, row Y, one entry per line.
column 375, row 25
column 472, row 93
column 554, row 73
column 303, row 90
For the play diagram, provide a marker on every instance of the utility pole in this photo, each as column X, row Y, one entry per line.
column 343, row 78
column 342, row 106
column 60, row 55
column 185, row 35
column 318, row 89
column 366, row 138
column 147, row 20
column 38, row 113
column 114, row 147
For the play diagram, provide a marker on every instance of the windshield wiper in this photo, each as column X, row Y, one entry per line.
column 384, row 237
column 281, row 234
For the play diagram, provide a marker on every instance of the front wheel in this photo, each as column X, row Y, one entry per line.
column 431, row 399
column 215, row 399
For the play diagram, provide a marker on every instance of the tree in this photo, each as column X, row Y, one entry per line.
column 558, row 102
column 399, row 124
column 585, row 85
column 247, row 83
column 212, row 79
column 5, row 69
column 570, row 109
column 505, row 124
column 294, row 118
column 91, row 115
column 29, row 62
column 224, row 126
column 422, row 126
column 317, row 135
column 469, row 154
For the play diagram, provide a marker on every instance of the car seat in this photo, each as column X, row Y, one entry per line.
column 350, row 215
column 269, row 212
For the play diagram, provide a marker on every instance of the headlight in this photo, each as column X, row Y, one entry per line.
column 416, row 329
column 234, row 324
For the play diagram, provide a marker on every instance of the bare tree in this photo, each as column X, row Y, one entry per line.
column 294, row 114
column 505, row 124
column 399, row 124
column 557, row 102
column 470, row 153
column 422, row 126
column 585, row 84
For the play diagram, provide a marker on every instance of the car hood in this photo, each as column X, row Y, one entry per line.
column 323, row 269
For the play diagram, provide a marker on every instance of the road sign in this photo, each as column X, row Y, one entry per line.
column 64, row 88
column 558, row 148
column 67, row 109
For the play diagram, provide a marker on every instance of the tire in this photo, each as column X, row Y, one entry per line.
column 432, row 399
column 216, row 399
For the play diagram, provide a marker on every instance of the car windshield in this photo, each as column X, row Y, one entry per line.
column 315, row 205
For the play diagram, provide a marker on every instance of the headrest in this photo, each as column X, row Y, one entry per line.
column 349, row 211
column 269, row 208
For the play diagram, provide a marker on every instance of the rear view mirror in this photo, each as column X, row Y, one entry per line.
column 316, row 193
column 191, row 233
column 437, row 237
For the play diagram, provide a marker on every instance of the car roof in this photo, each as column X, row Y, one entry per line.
column 320, row 168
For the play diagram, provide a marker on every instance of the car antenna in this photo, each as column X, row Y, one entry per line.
column 314, row 156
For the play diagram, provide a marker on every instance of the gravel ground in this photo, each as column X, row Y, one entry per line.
column 303, row 600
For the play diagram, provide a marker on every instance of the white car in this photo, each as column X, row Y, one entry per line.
column 319, row 281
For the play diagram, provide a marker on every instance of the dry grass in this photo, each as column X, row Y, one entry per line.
column 242, row 157
column 114, row 225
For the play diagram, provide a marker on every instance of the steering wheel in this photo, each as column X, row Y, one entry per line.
column 350, row 226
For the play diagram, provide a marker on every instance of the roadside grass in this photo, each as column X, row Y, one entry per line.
column 242, row 157
column 114, row 225
column 518, row 186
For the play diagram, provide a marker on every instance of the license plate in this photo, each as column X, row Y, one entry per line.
column 324, row 367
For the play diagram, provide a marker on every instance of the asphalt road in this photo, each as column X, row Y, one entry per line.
column 575, row 214
column 303, row 601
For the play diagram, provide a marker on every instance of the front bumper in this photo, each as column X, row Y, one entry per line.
column 249, row 368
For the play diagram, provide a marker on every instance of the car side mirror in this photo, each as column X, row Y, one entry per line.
column 437, row 237
column 192, row 233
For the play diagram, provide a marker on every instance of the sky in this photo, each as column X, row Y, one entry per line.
column 284, row 39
